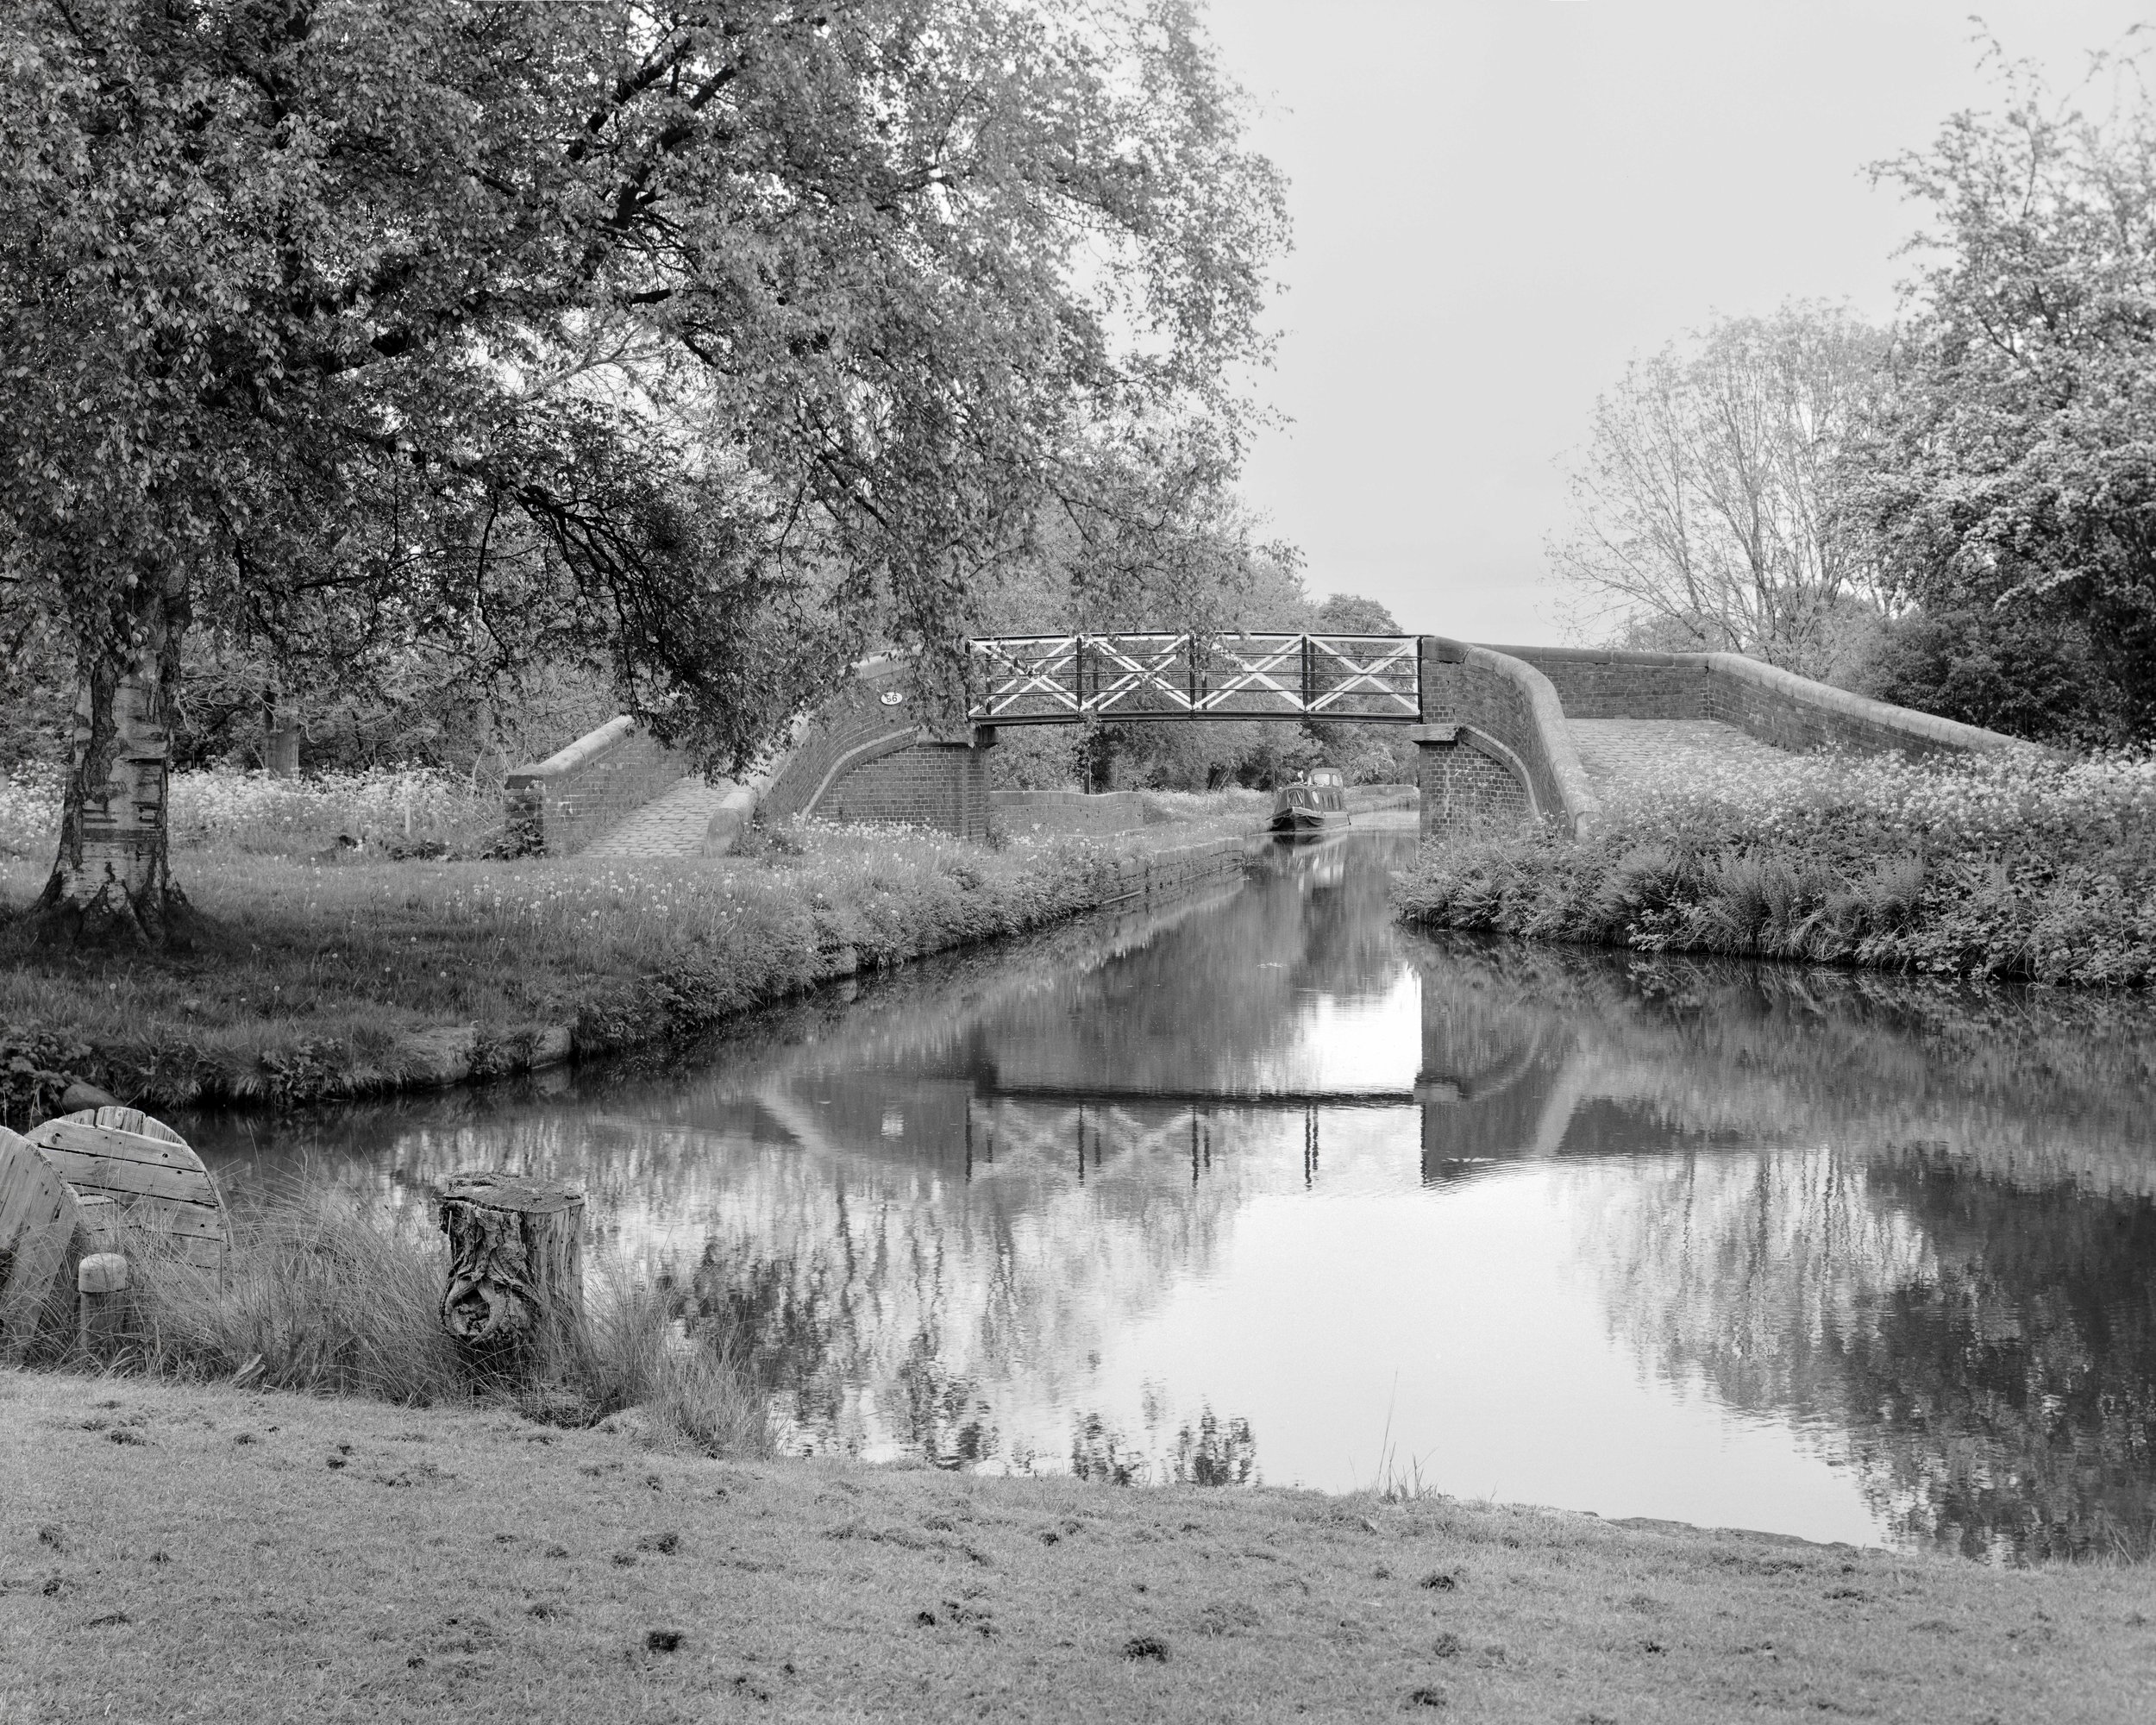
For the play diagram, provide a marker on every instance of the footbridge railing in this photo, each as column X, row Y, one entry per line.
column 1058, row 679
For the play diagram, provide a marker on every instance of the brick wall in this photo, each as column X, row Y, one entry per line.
column 1466, row 792
column 1460, row 693
column 1513, row 705
column 859, row 723
column 940, row 785
column 562, row 804
column 1593, row 684
column 1775, row 705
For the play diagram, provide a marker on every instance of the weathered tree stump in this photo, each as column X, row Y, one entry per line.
column 516, row 1289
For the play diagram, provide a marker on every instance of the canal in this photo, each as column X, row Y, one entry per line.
column 1258, row 1185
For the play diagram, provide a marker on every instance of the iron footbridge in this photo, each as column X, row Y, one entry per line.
column 1068, row 678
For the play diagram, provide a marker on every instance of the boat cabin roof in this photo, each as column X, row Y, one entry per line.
column 1302, row 793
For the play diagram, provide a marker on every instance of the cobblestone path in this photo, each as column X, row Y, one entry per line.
column 671, row 825
column 1614, row 751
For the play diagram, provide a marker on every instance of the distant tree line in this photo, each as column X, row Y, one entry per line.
column 1957, row 513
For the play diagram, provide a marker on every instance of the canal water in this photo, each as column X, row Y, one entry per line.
column 1258, row 1185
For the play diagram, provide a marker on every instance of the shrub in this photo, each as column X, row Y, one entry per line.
column 36, row 1067
column 2018, row 865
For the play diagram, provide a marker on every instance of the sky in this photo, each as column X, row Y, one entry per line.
column 1497, row 202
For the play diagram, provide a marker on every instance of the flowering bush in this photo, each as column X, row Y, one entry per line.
column 253, row 811
column 2018, row 865
column 29, row 808
column 1954, row 803
column 406, row 803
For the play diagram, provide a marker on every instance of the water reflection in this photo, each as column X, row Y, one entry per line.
column 1257, row 1181
column 1915, row 1224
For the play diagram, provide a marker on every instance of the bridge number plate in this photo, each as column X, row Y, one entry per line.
column 892, row 698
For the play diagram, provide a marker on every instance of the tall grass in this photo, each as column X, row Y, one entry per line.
column 326, row 1295
column 2012, row 866
column 317, row 1295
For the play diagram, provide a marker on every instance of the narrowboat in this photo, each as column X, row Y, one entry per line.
column 1310, row 805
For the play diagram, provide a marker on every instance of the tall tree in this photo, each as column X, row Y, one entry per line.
column 2010, row 477
column 686, row 338
column 1704, row 502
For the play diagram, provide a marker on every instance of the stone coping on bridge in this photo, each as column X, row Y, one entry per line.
column 1773, row 704
column 560, row 805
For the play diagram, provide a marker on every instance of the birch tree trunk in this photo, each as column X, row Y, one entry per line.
column 110, row 883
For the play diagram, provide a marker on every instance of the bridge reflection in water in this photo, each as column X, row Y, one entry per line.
column 1744, row 1244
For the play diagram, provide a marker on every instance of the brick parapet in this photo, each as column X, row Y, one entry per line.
column 1775, row 705
column 561, row 803
column 848, row 731
column 1514, row 705
column 1790, row 711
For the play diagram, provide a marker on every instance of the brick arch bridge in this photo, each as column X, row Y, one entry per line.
column 1503, row 732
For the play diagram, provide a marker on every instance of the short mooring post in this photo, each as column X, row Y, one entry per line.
column 516, row 1288
column 101, row 1301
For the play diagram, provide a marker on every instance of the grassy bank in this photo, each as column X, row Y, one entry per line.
column 195, row 1553
column 312, row 980
column 1999, row 866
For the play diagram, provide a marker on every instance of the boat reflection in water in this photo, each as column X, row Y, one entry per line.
column 1246, row 1184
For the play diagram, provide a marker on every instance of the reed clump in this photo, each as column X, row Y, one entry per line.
column 327, row 1294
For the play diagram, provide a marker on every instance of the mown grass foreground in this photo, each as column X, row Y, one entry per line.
column 308, row 981
column 177, row 1554
column 2013, row 866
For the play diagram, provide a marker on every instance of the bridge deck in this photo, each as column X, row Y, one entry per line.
column 1619, row 754
column 671, row 824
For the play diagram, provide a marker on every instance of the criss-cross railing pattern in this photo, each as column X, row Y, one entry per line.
column 1052, row 679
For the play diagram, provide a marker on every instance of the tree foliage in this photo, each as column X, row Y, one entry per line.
column 695, row 342
column 2010, row 475
column 1704, row 504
